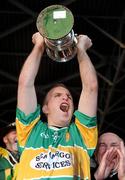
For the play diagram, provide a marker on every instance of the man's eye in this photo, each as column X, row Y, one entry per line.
column 102, row 145
column 69, row 97
column 115, row 145
column 56, row 95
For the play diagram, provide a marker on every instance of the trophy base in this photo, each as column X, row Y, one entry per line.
column 62, row 56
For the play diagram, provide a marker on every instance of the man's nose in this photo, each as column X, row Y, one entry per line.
column 65, row 97
column 108, row 147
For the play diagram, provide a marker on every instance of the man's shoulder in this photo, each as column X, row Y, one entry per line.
column 4, row 163
column 3, row 152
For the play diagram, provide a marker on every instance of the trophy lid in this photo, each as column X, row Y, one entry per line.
column 55, row 22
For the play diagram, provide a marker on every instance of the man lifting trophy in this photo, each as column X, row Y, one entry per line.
column 55, row 24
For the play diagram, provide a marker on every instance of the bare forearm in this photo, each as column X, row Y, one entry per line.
column 88, row 97
column 27, row 100
column 87, row 70
column 31, row 66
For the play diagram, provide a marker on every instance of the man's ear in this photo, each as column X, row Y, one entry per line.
column 45, row 109
column 5, row 139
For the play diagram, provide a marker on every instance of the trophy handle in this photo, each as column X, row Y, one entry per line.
column 75, row 38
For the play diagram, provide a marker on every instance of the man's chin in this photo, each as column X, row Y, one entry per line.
column 65, row 123
column 15, row 148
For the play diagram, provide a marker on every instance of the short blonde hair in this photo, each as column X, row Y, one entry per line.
column 52, row 87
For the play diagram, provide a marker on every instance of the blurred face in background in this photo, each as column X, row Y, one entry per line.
column 10, row 140
column 107, row 141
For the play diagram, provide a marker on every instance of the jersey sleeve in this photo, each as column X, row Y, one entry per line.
column 25, row 124
column 88, row 130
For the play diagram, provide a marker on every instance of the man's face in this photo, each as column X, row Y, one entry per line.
column 59, row 107
column 106, row 142
column 11, row 141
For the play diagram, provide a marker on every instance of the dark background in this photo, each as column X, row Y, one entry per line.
column 102, row 20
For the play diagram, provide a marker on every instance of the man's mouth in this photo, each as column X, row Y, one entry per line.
column 15, row 141
column 64, row 107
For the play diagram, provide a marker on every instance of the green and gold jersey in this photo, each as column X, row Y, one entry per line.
column 7, row 164
column 51, row 153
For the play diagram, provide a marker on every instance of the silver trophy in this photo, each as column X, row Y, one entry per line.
column 55, row 24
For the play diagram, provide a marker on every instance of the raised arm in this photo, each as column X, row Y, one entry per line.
column 88, row 97
column 26, row 100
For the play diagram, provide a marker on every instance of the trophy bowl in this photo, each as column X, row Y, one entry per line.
column 55, row 24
